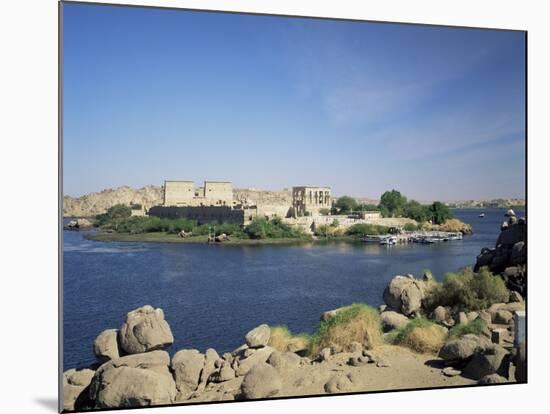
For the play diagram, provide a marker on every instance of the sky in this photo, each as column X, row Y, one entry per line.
column 274, row 102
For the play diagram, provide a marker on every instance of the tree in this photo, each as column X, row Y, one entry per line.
column 119, row 211
column 368, row 207
column 392, row 203
column 440, row 213
column 346, row 204
column 416, row 211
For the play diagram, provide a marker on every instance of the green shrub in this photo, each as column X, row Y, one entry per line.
column 362, row 229
column 410, row 227
column 466, row 291
column 119, row 211
column 421, row 335
column 324, row 211
column 476, row 327
column 262, row 228
column 355, row 323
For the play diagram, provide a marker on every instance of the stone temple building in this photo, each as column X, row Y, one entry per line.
column 310, row 200
column 184, row 194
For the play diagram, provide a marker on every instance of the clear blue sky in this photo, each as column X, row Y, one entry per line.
column 272, row 102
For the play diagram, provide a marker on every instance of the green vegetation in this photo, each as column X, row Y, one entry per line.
column 468, row 291
column 345, row 205
column 420, row 335
column 411, row 227
column 439, row 213
column 261, row 228
column 363, row 229
column 368, row 207
column 135, row 206
column 355, row 323
column 392, row 204
column 476, row 327
column 284, row 341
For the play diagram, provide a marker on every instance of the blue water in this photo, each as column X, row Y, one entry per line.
column 212, row 295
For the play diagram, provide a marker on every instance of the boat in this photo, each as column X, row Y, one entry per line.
column 482, row 215
column 388, row 241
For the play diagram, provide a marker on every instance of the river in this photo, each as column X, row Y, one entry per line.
column 213, row 294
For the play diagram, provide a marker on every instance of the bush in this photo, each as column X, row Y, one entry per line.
column 119, row 211
column 416, row 211
column 439, row 213
column 346, row 204
column 262, row 228
column 467, row 291
column 422, row 335
column 282, row 339
column 324, row 211
column 357, row 322
column 410, row 227
column 362, row 229
column 476, row 327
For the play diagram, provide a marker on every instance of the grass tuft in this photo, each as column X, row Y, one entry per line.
column 284, row 341
column 476, row 327
column 355, row 323
column 421, row 335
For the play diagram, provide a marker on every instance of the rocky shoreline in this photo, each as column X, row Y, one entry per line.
column 410, row 342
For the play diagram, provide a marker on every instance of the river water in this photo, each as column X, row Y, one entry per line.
column 213, row 294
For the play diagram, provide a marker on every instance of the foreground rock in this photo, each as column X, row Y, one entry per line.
column 187, row 366
column 75, row 389
column 262, row 381
column 106, row 345
column 392, row 320
column 490, row 361
column 145, row 330
column 134, row 381
column 405, row 294
column 463, row 348
column 258, row 336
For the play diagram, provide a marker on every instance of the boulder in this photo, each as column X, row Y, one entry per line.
column 325, row 354
column 462, row 318
column 392, row 320
column 75, row 388
column 450, row 372
column 502, row 316
column 519, row 253
column 211, row 356
column 489, row 361
column 225, row 373
column 440, row 314
column 463, row 348
column 485, row 317
column 283, row 361
column 492, row 379
column 187, row 366
column 242, row 366
column 262, row 381
column 258, row 336
column 145, row 330
column 515, row 233
column 472, row 316
column 106, row 345
column 134, row 381
column 338, row 383
column 404, row 295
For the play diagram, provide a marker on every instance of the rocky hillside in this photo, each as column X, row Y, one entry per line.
column 96, row 203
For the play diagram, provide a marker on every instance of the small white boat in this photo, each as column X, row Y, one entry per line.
column 388, row 241
column 482, row 215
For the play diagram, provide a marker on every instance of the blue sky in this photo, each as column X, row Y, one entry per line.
column 271, row 102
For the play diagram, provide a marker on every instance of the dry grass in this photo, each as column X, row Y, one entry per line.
column 422, row 336
column 355, row 323
column 282, row 340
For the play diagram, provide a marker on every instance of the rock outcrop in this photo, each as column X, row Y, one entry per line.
column 509, row 256
column 405, row 294
column 145, row 330
column 134, row 381
column 106, row 345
